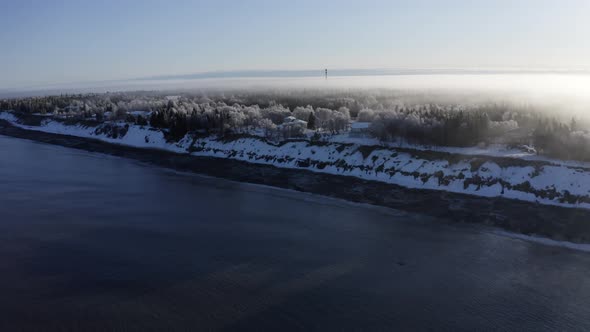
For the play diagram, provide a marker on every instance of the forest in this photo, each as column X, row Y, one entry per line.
column 394, row 116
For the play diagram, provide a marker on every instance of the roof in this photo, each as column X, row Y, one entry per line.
column 360, row 125
column 294, row 123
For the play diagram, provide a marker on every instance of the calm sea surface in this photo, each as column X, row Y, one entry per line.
column 92, row 242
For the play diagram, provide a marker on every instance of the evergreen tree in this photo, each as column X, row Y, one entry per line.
column 311, row 121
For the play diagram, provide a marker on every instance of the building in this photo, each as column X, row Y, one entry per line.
column 292, row 127
column 291, row 122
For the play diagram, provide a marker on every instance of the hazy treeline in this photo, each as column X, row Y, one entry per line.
column 394, row 116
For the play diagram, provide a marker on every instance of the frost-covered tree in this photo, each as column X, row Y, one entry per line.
column 275, row 113
column 302, row 113
column 268, row 127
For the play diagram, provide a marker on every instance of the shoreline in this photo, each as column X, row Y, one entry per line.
column 554, row 222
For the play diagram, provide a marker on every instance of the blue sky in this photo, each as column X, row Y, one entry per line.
column 67, row 41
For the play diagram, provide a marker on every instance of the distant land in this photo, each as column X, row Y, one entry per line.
column 158, row 82
column 361, row 72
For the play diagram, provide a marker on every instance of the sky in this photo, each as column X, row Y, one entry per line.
column 59, row 41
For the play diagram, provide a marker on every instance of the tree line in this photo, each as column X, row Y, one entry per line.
column 392, row 116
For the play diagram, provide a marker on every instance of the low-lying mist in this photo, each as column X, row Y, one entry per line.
column 546, row 113
column 562, row 95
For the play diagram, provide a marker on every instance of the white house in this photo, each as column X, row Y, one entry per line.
column 292, row 127
column 292, row 121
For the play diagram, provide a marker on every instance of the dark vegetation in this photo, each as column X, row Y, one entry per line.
column 393, row 117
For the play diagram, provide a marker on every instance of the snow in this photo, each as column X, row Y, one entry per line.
column 142, row 113
column 401, row 168
column 369, row 161
column 8, row 117
column 136, row 136
column 493, row 150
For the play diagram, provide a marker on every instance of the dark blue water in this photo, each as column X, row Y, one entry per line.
column 91, row 242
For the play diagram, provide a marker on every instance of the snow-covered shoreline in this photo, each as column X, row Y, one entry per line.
column 544, row 182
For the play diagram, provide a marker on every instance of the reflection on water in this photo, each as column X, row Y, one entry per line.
column 91, row 242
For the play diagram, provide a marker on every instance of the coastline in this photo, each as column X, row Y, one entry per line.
column 558, row 223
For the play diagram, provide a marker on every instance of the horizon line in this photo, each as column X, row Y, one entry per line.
column 302, row 73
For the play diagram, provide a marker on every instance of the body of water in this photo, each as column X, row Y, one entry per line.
column 93, row 242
